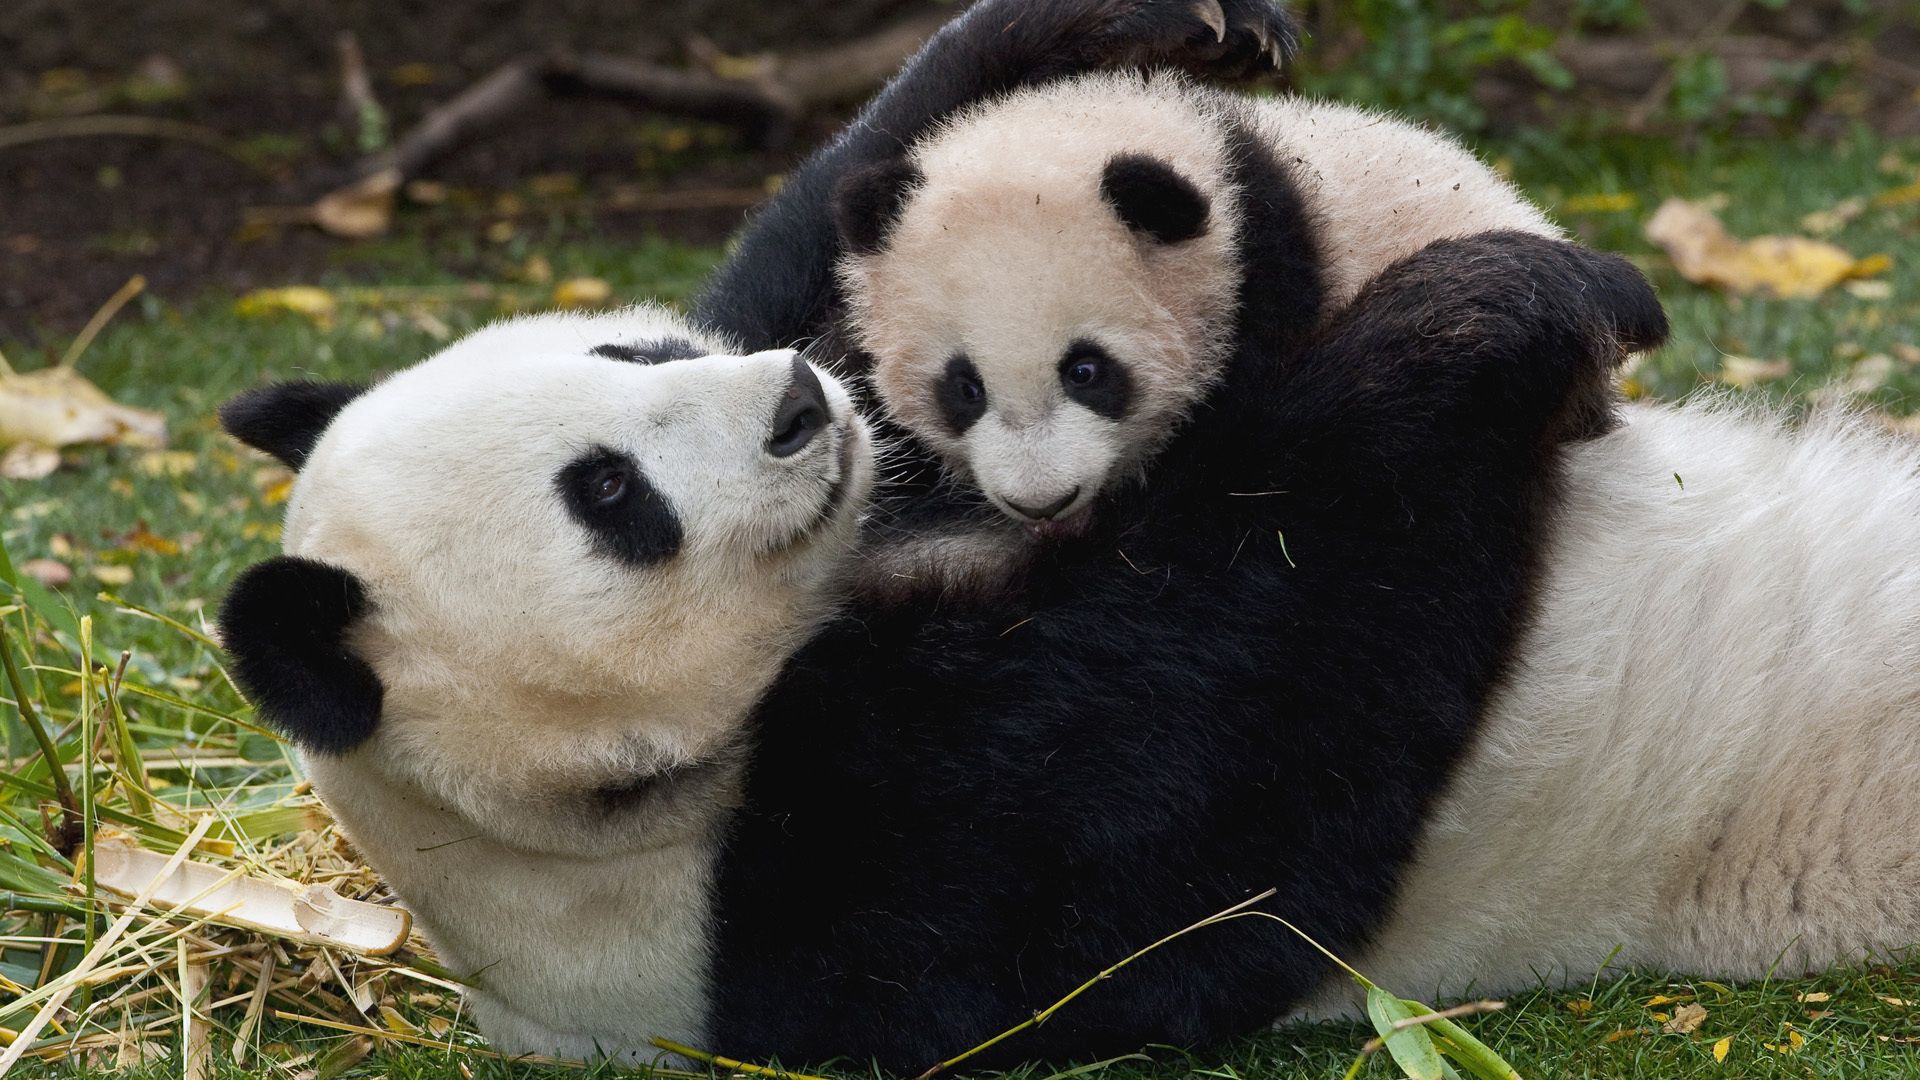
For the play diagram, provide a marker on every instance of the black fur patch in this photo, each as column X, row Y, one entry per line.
column 651, row 352
column 1151, row 198
column 284, row 625
column 868, row 201
column 287, row 419
column 608, row 494
column 1108, row 392
column 961, row 395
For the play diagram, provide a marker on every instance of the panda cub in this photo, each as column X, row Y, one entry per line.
column 1049, row 282
column 530, row 628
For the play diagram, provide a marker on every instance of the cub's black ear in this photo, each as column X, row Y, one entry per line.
column 1151, row 198
column 287, row 418
column 867, row 202
column 284, row 624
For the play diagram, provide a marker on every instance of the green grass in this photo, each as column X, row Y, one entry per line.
column 177, row 528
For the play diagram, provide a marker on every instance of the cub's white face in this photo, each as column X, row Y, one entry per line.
column 1020, row 324
column 582, row 570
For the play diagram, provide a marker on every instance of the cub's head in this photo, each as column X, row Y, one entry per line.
column 1047, row 284
column 562, row 556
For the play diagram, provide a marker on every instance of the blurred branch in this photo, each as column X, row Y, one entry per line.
column 768, row 95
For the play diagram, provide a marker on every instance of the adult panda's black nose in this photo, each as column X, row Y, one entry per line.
column 802, row 413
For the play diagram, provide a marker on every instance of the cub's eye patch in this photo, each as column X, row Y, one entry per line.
column 1092, row 377
column 628, row 520
column 961, row 395
column 663, row 351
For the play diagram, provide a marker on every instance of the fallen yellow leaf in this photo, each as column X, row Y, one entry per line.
column 1745, row 371
column 1686, row 1020
column 1815, row 998
column 1788, row 266
column 1899, row 196
column 112, row 575
column 1601, row 204
column 1899, row 1003
column 1580, row 1007
column 315, row 303
column 57, row 406
column 362, row 209
column 1720, row 1049
column 166, row 462
column 582, row 292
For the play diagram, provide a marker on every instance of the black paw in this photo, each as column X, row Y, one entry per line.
column 1227, row 39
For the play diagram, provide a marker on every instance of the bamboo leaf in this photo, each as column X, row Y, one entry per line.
column 1473, row 1055
column 1412, row 1047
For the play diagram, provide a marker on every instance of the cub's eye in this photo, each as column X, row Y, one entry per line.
column 1085, row 372
column 960, row 393
column 1093, row 377
column 608, row 487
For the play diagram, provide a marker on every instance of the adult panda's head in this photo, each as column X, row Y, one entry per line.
column 1046, row 284
column 555, row 561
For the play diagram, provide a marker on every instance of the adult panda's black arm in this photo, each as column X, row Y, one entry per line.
column 778, row 285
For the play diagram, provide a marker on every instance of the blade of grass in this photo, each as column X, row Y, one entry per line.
column 1043, row 1015
column 87, row 793
column 56, row 769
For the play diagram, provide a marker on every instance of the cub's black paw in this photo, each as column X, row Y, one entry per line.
column 1226, row 39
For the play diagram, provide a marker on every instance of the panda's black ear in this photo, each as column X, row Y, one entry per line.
column 867, row 202
column 284, row 624
column 1151, row 198
column 287, row 418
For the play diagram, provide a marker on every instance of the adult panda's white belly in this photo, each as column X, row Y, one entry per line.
column 1708, row 755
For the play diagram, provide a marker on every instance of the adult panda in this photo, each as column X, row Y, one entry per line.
column 535, row 592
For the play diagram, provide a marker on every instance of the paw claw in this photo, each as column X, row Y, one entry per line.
column 1211, row 13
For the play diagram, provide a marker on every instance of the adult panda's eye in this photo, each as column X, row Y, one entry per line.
column 608, row 487
column 968, row 388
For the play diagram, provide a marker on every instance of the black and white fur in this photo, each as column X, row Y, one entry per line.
column 945, row 819
column 1677, row 655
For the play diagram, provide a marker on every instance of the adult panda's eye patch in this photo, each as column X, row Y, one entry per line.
column 661, row 351
column 628, row 519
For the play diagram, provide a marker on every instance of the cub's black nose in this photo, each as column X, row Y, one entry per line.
column 802, row 413
column 1047, row 512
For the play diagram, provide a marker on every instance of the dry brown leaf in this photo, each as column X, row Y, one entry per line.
column 1789, row 266
column 57, row 406
column 1686, row 1020
column 361, row 209
column 1746, row 371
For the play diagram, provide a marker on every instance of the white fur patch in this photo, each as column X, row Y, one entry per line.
column 1709, row 754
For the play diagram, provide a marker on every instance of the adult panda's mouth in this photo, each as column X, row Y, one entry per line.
column 846, row 436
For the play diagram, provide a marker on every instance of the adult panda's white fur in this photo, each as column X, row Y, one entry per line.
column 1708, row 752
column 1005, row 249
column 559, row 731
